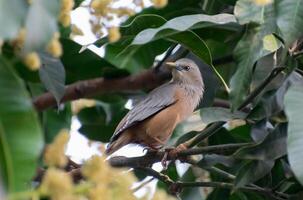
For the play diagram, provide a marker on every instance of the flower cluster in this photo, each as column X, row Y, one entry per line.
column 100, row 180
column 54, row 153
column 106, row 11
column 66, row 8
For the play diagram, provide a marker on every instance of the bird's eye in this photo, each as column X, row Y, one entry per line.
column 186, row 68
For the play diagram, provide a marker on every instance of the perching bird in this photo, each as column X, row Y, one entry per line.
column 152, row 121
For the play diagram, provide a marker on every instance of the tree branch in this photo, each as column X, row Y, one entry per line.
column 156, row 156
column 88, row 88
column 176, row 187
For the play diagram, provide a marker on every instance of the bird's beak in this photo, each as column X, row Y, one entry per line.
column 171, row 65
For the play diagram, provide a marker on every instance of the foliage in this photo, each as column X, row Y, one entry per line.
column 249, row 53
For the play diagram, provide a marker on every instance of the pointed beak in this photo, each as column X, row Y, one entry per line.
column 171, row 65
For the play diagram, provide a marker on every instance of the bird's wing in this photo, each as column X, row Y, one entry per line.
column 154, row 102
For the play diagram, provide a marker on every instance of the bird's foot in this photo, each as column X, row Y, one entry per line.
column 150, row 150
column 172, row 154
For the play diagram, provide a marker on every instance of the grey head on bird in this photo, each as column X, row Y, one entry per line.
column 152, row 121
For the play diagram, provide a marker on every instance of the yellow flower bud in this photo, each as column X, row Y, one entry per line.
column 55, row 153
column 57, row 184
column 54, row 46
column 65, row 19
column 113, row 34
column 99, row 192
column 100, row 6
column 97, row 170
column 160, row 3
column 67, row 5
column 262, row 2
column 32, row 61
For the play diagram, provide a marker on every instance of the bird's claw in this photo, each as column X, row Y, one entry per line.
column 172, row 154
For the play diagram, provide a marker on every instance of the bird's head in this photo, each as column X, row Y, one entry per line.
column 185, row 71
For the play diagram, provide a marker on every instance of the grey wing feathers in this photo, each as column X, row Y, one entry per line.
column 154, row 102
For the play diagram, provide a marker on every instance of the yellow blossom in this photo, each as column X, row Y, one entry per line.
column 100, row 6
column 32, row 61
column 160, row 3
column 64, row 16
column 67, row 5
column 97, row 170
column 18, row 42
column 76, row 30
column 99, row 192
column 113, row 34
column 54, row 46
column 262, row 2
column 54, row 153
column 57, row 184
column 65, row 19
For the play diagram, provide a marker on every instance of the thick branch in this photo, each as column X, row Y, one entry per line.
column 88, row 88
column 153, row 157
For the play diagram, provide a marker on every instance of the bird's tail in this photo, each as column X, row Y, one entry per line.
column 122, row 140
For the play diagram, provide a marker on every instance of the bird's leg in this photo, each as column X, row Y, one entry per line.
column 172, row 153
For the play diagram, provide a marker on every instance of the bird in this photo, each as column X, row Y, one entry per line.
column 151, row 122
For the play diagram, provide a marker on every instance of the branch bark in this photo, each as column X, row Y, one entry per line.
column 156, row 156
column 146, row 80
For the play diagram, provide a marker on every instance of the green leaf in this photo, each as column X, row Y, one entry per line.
column 53, row 121
column 209, row 160
column 52, row 75
column 41, row 24
column 252, row 171
column 85, row 65
column 247, row 11
column 293, row 109
column 290, row 19
column 12, row 15
column 271, row 148
column 180, row 24
column 134, row 58
column 249, row 50
column 20, row 134
column 215, row 114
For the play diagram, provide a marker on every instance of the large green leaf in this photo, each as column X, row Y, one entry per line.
column 290, row 19
column 85, row 65
column 12, row 15
column 41, row 23
column 215, row 114
column 256, row 43
column 20, row 134
column 293, row 108
column 247, row 11
column 271, row 148
column 180, row 24
column 252, row 171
